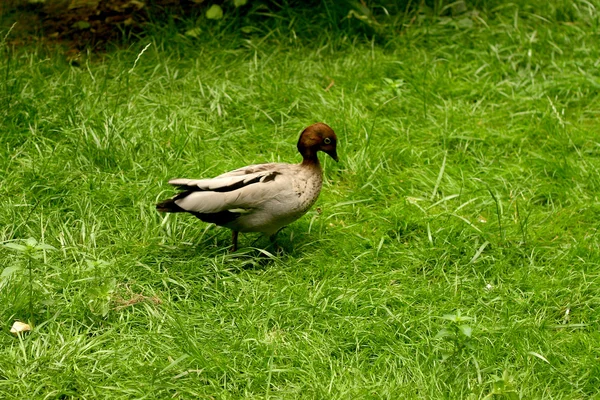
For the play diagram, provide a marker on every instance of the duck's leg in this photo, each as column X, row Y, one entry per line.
column 273, row 239
column 234, row 238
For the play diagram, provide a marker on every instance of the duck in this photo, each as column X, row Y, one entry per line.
column 261, row 198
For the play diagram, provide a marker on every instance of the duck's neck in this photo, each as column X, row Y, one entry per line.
column 310, row 159
column 308, row 153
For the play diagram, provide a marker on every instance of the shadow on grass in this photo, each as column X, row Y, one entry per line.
column 255, row 251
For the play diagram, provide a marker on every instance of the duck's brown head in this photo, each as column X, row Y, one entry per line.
column 317, row 137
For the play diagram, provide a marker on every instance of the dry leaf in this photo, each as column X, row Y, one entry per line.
column 91, row 4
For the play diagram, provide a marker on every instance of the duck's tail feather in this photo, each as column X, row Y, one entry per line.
column 219, row 218
column 169, row 206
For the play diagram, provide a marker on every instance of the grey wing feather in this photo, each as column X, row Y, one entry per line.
column 252, row 169
column 224, row 183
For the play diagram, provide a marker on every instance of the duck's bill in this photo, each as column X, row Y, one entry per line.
column 333, row 154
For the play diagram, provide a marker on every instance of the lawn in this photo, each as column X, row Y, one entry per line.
column 453, row 252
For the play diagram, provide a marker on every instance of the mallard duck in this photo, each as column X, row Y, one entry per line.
column 258, row 198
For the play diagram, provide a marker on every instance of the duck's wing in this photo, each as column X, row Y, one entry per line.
column 254, row 169
column 223, row 183
column 237, row 190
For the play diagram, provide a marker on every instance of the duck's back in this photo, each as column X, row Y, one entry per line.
column 269, row 206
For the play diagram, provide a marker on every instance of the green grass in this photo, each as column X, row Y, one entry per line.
column 468, row 183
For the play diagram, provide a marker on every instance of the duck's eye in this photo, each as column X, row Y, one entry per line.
column 327, row 140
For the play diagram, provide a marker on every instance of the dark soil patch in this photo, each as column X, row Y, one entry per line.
column 84, row 24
